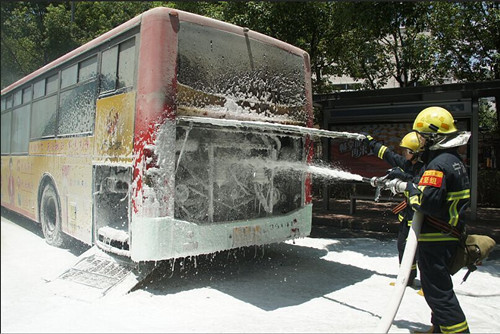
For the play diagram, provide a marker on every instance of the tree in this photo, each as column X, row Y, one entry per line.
column 487, row 115
column 384, row 40
column 22, row 36
column 413, row 43
column 36, row 33
column 94, row 18
column 468, row 37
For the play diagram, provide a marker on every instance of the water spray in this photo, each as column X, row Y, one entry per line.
column 380, row 183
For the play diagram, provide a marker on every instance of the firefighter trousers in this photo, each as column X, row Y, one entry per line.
column 433, row 261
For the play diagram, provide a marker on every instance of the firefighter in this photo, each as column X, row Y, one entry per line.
column 441, row 194
column 406, row 167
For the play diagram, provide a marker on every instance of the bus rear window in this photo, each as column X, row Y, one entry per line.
column 222, row 69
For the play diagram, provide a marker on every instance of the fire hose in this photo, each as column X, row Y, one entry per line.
column 398, row 186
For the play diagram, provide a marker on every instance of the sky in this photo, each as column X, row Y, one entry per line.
column 312, row 285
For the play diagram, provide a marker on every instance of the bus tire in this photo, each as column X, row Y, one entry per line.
column 50, row 216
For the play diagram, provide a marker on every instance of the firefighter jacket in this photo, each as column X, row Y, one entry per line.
column 413, row 171
column 442, row 194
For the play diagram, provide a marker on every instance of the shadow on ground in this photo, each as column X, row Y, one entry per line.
column 291, row 274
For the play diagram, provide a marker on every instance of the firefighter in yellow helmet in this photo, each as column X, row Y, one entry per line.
column 406, row 167
column 411, row 142
column 434, row 120
column 441, row 194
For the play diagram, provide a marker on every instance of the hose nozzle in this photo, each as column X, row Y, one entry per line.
column 382, row 183
column 367, row 180
column 375, row 181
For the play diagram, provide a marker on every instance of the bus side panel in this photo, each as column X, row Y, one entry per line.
column 67, row 163
column 19, row 186
column 114, row 128
column 112, row 166
column 75, row 188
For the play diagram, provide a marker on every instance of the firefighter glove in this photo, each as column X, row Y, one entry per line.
column 368, row 138
column 412, row 189
column 398, row 173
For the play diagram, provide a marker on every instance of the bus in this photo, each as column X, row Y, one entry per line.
column 163, row 138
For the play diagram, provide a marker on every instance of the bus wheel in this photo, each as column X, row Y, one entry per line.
column 50, row 216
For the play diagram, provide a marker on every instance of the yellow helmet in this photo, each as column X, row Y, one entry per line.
column 434, row 120
column 411, row 142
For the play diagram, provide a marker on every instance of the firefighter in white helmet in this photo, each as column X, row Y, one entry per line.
column 441, row 194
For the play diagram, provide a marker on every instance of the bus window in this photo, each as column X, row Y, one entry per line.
column 3, row 104
column 77, row 109
column 126, row 64
column 8, row 102
column 6, row 118
column 20, row 130
column 18, row 98
column 109, row 64
column 27, row 95
column 44, row 117
column 51, row 86
column 88, row 69
column 69, row 76
column 77, row 105
column 39, row 89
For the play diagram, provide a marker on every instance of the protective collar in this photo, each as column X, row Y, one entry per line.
column 456, row 139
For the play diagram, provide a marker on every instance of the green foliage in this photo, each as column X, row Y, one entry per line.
column 22, row 48
column 36, row 33
column 412, row 43
column 487, row 116
column 393, row 44
column 95, row 18
column 58, row 28
column 468, row 36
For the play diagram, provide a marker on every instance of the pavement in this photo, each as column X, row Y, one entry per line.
column 375, row 219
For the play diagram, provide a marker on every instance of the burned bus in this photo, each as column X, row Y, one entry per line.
column 160, row 139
